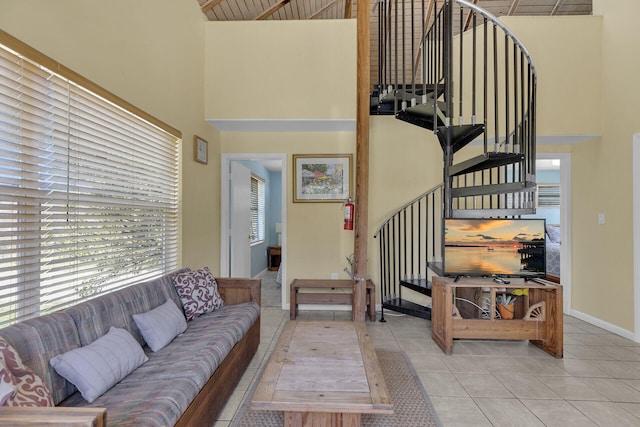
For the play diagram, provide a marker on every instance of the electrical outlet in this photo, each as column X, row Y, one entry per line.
column 334, row 276
column 600, row 218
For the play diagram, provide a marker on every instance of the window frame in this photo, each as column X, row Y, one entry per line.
column 25, row 292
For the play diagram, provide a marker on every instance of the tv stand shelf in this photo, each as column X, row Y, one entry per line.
column 457, row 312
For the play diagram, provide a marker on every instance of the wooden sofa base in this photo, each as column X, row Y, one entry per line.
column 206, row 406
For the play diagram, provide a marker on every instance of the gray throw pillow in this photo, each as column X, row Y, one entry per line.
column 161, row 325
column 97, row 367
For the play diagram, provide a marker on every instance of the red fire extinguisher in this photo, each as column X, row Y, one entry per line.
column 348, row 215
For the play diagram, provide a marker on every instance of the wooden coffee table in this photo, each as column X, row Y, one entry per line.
column 323, row 374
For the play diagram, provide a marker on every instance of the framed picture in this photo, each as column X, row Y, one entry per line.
column 200, row 150
column 321, row 177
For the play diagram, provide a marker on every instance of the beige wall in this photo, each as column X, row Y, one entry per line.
column 280, row 70
column 403, row 159
column 567, row 53
column 602, row 254
column 150, row 53
column 599, row 97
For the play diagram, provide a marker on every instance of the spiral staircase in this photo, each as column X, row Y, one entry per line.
column 453, row 69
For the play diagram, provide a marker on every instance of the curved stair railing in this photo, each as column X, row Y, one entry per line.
column 457, row 71
column 406, row 239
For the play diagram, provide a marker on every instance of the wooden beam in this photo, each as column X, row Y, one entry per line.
column 271, row 10
column 513, row 7
column 347, row 9
column 322, row 9
column 469, row 18
column 209, row 4
column 361, row 218
column 555, row 9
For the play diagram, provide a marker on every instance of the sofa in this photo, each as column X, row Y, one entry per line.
column 185, row 383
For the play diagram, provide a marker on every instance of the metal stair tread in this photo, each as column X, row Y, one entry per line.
column 407, row 307
column 500, row 188
column 485, row 161
column 422, row 286
column 420, row 115
column 461, row 135
column 490, row 213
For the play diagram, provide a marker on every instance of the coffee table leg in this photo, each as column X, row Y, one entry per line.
column 320, row 419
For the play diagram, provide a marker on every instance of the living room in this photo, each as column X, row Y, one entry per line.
column 166, row 59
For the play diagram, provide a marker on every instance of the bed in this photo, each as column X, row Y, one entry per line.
column 553, row 252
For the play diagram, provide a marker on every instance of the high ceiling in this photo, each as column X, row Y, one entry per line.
column 248, row 10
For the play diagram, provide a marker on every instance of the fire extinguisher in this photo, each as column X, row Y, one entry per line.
column 348, row 215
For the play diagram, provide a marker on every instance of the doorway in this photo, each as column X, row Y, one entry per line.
column 274, row 162
column 561, row 162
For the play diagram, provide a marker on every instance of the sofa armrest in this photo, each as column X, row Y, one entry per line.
column 238, row 290
column 57, row 416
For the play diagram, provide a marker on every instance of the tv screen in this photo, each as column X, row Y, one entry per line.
column 487, row 247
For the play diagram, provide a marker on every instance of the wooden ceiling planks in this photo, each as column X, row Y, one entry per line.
column 246, row 10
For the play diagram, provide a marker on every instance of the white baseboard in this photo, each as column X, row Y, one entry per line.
column 604, row 325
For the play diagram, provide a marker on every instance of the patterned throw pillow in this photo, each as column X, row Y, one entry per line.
column 198, row 292
column 19, row 385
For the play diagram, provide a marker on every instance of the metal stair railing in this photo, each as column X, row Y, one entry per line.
column 456, row 70
column 407, row 239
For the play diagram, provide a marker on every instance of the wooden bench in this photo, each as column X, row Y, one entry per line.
column 324, row 297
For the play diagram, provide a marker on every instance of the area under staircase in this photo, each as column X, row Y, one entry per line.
column 455, row 70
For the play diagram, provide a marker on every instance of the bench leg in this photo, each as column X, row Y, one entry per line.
column 293, row 304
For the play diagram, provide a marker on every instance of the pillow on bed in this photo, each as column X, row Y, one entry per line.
column 97, row 367
column 161, row 325
column 198, row 292
column 553, row 231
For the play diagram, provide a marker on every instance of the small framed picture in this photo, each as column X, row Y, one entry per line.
column 200, row 149
column 321, row 177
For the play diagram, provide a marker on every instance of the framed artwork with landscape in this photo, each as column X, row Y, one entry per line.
column 321, row 177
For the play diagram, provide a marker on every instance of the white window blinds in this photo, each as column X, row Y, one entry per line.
column 257, row 210
column 88, row 193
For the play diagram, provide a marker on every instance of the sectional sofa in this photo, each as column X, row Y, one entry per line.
column 185, row 383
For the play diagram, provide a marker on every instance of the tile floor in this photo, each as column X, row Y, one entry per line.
column 496, row 383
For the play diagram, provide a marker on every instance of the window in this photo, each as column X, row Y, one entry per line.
column 88, row 189
column 548, row 195
column 256, row 232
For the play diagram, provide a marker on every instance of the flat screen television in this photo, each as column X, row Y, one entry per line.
column 495, row 247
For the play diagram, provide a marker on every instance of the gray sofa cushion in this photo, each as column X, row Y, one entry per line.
column 160, row 390
column 94, row 317
column 151, row 403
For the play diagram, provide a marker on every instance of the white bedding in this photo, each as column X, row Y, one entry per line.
column 553, row 259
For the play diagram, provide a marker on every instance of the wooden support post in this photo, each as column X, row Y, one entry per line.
column 362, row 162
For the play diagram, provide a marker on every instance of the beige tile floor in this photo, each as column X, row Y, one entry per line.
column 496, row 383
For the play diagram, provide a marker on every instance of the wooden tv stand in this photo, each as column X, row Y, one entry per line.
column 457, row 312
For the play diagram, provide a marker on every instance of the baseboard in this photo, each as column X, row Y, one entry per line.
column 604, row 325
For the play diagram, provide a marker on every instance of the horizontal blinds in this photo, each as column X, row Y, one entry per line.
column 88, row 193
column 257, row 210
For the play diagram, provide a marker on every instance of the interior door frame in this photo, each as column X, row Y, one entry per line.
column 565, row 224
column 225, row 163
column 636, row 235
